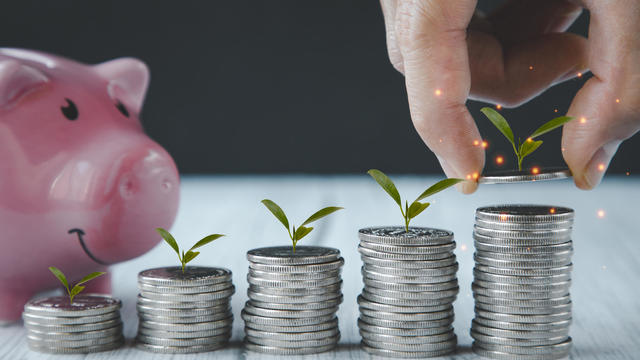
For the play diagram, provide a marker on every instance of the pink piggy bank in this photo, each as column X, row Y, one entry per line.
column 81, row 185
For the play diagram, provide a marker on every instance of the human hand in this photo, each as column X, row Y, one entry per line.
column 448, row 55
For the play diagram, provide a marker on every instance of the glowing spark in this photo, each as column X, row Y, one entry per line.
column 463, row 247
column 555, row 110
column 475, row 176
column 552, row 210
column 498, row 106
column 503, row 217
column 601, row 213
column 529, row 139
column 476, row 142
column 530, row 67
column 583, row 120
column 563, row 149
column 535, row 170
column 499, row 160
column 601, row 167
column 485, row 144
column 579, row 74
column 618, row 101
column 468, row 177
column 628, row 173
column 438, row 92
column 440, row 140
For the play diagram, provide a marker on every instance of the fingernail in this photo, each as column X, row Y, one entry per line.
column 465, row 187
column 598, row 164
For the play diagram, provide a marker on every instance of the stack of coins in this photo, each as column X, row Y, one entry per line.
column 184, row 312
column 293, row 300
column 410, row 284
column 91, row 324
column 521, row 282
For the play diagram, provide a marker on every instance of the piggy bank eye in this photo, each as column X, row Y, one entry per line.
column 70, row 111
column 122, row 108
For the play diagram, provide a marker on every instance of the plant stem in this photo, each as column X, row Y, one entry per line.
column 406, row 223
column 294, row 247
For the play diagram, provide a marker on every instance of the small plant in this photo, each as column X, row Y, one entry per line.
column 77, row 288
column 416, row 207
column 302, row 231
column 529, row 145
column 190, row 254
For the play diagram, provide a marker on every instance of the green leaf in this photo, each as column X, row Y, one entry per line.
column 75, row 291
column 551, row 125
column 500, row 122
column 91, row 276
column 206, row 240
column 439, row 186
column 168, row 238
column 528, row 147
column 321, row 213
column 190, row 255
column 301, row 232
column 277, row 212
column 386, row 184
column 416, row 208
column 60, row 276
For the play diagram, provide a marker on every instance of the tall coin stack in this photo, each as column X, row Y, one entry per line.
column 91, row 324
column 410, row 284
column 293, row 300
column 184, row 312
column 521, row 282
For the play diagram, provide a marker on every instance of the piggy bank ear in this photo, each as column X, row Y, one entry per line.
column 128, row 80
column 16, row 80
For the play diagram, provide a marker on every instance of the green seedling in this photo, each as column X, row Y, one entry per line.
column 302, row 231
column 416, row 207
column 529, row 145
column 190, row 254
column 77, row 288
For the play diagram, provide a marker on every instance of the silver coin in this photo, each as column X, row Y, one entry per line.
column 406, row 302
column 180, row 349
column 536, row 319
column 287, row 336
column 516, row 342
column 286, row 321
column 410, row 264
column 438, row 287
column 521, row 280
column 183, row 312
column 410, row 250
column 521, row 264
column 506, row 356
column 292, row 283
column 32, row 339
column 184, row 319
column 187, row 290
column 523, row 326
column 331, row 324
column 294, row 344
column 65, row 320
column 403, row 257
column 520, row 176
column 518, row 242
column 406, row 354
column 477, row 290
column 298, row 269
column 211, row 340
column 541, row 310
column 397, row 235
column 562, row 347
column 556, row 234
column 525, row 213
column 564, row 256
column 204, row 326
column 83, row 305
column 383, row 338
column 407, row 280
column 192, row 276
column 398, row 324
column 411, row 273
column 216, row 295
column 113, row 331
column 267, row 275
column 507, row 249
column 284, row 255
column 557, row 287
column 318, row 290
column 366, row 304
column 182, row 334
column 424, row 295
column 448, row 344
column 407, row 317
column 273, row 350
column 519, row 334
column 505, row 225
column 289, row 299
column 362, row 325
column 74, row 328
column 303, row 306
column 522, row 303
column 253, row 310
column 76, row 350
column 560, row 270
column 180, row 305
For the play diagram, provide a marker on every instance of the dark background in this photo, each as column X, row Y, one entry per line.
column 270, row 86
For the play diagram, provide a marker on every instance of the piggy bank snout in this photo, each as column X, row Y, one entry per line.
column 148, row 177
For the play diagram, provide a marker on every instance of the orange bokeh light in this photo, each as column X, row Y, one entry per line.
column 535, row 170
column 499, row 160
column 530, row 67
column 583, row 120
column 579, row 74
column 503, row 217
column 476, row 142
column 618, row 101
column 601, row 167
column 438, row 92
column 552, row 210
column 601, row 213
column 485, row 144
column 498, row 106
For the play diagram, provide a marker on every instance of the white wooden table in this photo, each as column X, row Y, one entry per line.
column 605, row 290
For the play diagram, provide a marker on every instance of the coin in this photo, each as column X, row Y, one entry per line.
column 184, row 319
column 159, row 341
column 477, row 290
column 521, row 280
column 411, row 288
column 562, row 347
column 405, row 354
column 292, row 283
column 540, row 310
column 168, row 312
column 267, row 275
column 192, row 276
column 383, row 338
column 514, row 318
column 399, row 324
column 318, row 290
column 405, row 302
column 411, row 273
column 208, row 296
column 292, row 299
column 524, row 213
column 421, row 295
column 203, row 326
column 409, row 250
column 397, row 235
column 178, row 305
column 520, row 176
column 407, row 317
column 67, row 320
column 287, row 336
column 75, row 350
column 507, row 356
column 559, row 270
column 37, row 341
column 515, row 264
column 555, row 287
column 448, row 344
column 392, row 256
column 363, row 325
column 274, row 350
column 112, row 331
column 286, row 321
column 163, row 349
column 522, row 303
column 182, row 334
column 517, row 342
column 74, row 328
column 504, row 225
column 83, row 305
column 406, row 280
column 558, row 325
column 506, row 249
column 284, row 255
column 186, row 290
column 298, row 269
column 297, row 344
column 366, row 304
column 301, row 306
column 555, row 234
column 410, row 264
column 257, row 311
column 479, row 238
column 519, row 334
column 333, row 323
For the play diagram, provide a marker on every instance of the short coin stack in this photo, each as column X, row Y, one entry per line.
column 293, row 300
column 184, row 312
column 410, row 284
column 521, row 282
column 91, row 324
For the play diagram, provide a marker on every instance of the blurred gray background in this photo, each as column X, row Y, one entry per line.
column 271, row 86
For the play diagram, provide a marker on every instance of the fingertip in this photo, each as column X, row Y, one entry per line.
column 467, row 187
